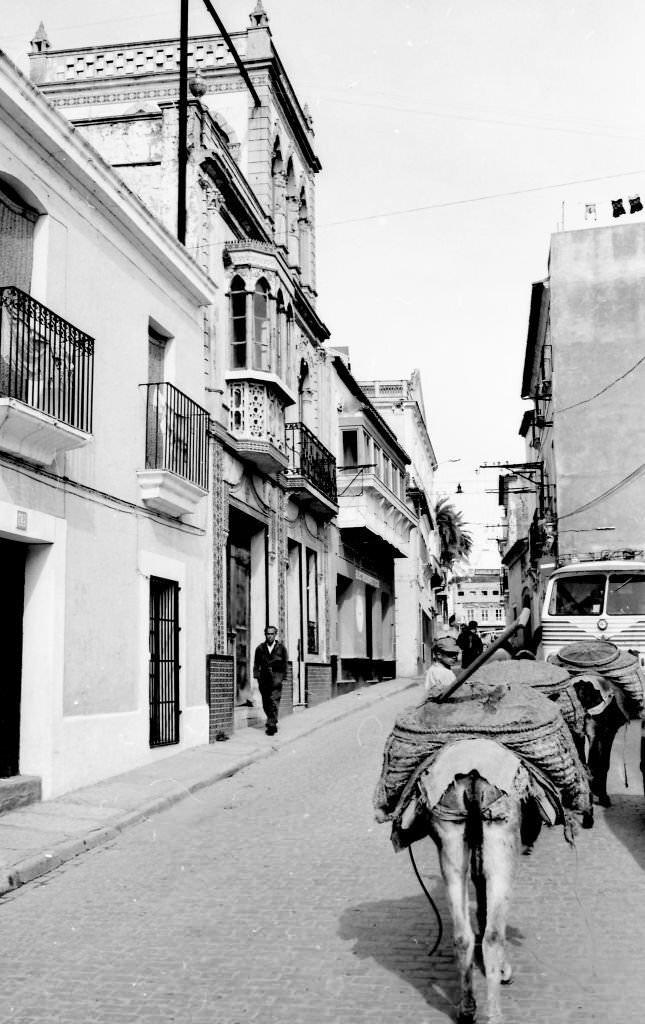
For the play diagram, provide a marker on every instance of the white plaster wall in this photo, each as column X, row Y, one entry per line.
column 92, row 545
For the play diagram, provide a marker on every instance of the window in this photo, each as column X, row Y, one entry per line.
column 261, row 327
column 626, row 594
column 350, row 448
column 578, row 595
column 17, row 223
column 495, row 593
column 386, row 472
column 499, row 614
column 484, row 593
column 238, row 323
column 157, row 346
column 163, row 665
column 289, row 346
column 312, row 601
column 279, row 332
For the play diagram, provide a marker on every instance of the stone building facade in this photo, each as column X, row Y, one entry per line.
column 250, row 223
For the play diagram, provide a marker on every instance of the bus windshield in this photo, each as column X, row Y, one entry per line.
column 578, row 595
column 626, row 594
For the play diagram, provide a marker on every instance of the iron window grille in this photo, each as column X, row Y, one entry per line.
column 45, row 362
column 163, row 674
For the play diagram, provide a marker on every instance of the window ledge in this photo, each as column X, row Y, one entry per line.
column 271, row 380
column 166, row 492
column 34, row 436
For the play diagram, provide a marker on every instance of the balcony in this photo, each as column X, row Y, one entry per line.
column 373, row 516
column 46, row 380
column 256, row 420
column 311, row 476
column 176, row 473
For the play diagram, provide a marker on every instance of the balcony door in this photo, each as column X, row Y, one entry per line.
column 17, row 223
column 12, row 596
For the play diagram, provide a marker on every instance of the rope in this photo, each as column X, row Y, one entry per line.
column 439, row 937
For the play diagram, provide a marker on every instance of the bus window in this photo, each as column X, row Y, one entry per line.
column 577, row 595
column 626, row 594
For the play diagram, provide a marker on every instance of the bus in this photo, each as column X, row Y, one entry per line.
column 601, row 600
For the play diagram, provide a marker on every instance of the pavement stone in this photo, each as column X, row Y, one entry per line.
column 38, row 838
column 274, row 896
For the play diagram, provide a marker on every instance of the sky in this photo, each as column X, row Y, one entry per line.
column 450, row 134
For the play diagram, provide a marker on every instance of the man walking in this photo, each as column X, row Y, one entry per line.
column 470, row 643
column 270, row 669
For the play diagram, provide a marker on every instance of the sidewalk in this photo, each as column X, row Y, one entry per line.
column 40, row 837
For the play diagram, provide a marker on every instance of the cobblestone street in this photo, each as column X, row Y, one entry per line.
column 274, row 897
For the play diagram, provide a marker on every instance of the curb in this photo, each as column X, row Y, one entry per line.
column 41, row 864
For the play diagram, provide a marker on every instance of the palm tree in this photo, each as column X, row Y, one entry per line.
column 454, row 540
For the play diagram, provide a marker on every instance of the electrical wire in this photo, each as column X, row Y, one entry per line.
column 478, row 199
column 480, row 120
column 606, row 494
column 602, row 391
column 439, row 937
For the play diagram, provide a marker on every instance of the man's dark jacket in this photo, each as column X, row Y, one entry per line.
column 270, row 668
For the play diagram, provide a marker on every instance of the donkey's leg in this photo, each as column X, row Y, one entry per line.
column 500, row 847
column 453, row 858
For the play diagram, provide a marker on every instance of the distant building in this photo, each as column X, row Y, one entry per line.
column 372, row 536
column 418, row 578
column 479, row 596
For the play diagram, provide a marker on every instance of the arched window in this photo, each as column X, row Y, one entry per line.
column 261, row 325
column 292, row 216
column 238, row 323
column 278, row 196
column 280, row 325
column 304, row 237
column 289, row 348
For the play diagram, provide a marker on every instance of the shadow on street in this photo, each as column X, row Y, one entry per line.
column 399, row 934
column 626, row 820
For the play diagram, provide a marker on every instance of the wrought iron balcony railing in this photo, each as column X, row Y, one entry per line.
column 45, row 362
column 176, row 434
column 310, row 459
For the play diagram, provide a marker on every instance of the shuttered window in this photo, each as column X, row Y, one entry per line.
column 16, row 241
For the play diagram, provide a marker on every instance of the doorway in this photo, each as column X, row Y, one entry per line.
column 294, row 621
column 12, row 600
column 239, row 613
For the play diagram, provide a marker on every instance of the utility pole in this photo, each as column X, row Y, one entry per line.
column 182, row 142
column 182, row 147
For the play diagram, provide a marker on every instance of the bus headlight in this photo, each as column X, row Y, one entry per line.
column 602, row 624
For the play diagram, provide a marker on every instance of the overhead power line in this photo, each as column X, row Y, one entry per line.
column 606, row 494
column 602, row 391
column 448, row 116
column 479, row 199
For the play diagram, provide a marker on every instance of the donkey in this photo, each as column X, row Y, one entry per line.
column 472, row 798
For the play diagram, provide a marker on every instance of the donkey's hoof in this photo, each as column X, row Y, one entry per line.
column 506, row 973
column 467, row 1016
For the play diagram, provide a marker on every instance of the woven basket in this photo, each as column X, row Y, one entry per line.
column 585, row 655
column 514, row 714
column 605, row 659
column 629, row 676
column 540, row 675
